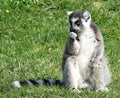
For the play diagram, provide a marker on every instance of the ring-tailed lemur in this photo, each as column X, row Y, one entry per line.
column 83, row 63
column 87, row 67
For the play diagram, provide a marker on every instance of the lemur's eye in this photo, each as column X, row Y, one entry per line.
column 77, row 22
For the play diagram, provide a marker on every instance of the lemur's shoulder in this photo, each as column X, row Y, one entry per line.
column 97, row 32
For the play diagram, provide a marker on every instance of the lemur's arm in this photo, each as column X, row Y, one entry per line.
column 72, row 47
column 99, row 49
column 73, row 44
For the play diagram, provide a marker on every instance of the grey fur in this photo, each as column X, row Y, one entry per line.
column 95, row 72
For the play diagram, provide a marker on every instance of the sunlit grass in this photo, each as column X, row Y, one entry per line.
column 33, row 36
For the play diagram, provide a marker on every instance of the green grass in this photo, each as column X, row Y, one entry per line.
column 33, row 34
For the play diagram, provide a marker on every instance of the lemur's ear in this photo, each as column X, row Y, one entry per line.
column 87, row 16
column 69, row 13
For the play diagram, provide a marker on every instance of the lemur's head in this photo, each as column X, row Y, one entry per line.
column 79, row 21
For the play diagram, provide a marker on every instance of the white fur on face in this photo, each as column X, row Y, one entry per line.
column 73, row 20
column 69, row 13
column 86, row 24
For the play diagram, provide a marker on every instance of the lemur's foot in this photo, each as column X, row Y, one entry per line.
column 102, row 89
column 75, row 90
column 85, row 85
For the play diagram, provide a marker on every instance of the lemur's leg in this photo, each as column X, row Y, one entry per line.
column 100, row 76
column 71, row 75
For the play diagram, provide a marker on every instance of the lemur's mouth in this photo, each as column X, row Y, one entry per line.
column 75, row 31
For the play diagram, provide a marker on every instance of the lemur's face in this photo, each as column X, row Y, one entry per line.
column 79, row 21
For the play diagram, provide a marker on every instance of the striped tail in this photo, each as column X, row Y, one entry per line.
column 19, row 84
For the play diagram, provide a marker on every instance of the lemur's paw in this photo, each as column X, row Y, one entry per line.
column 75, row 90
column 72, row 35
column 85, row 85
column 103, row 89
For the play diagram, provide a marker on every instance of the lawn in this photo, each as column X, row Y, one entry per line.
column 33, row 34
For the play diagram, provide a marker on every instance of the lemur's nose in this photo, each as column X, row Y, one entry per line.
column 73, row 30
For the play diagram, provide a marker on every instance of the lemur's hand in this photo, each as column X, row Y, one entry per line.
column 72, row 35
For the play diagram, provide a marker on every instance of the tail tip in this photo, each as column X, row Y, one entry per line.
column 16, row 84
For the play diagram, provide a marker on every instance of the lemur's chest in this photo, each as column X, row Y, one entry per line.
column 87, row 43
column 87, row 47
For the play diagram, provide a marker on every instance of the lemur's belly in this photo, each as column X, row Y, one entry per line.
column 86, row 51
column 84, row 61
